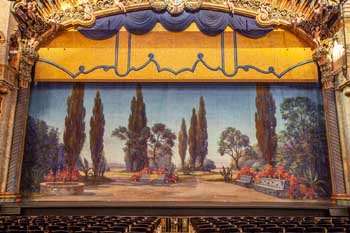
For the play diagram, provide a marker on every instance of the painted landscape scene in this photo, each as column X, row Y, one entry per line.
column 189, row 142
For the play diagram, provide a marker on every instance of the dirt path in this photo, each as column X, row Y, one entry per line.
column 194, row 189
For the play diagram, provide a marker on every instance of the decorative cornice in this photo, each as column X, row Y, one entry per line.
column 39, row 20
column 316, row 21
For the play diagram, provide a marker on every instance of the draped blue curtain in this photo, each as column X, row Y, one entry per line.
column 140, row 22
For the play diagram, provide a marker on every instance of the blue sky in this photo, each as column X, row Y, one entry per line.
column 227, row 104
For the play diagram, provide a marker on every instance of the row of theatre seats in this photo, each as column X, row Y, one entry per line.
column 116, row 224
column 87, row 224
column 269, row 224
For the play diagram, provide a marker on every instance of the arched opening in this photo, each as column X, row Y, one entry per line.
column 273, row 152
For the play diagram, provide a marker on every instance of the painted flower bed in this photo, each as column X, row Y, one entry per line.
column 62, row 176
column 298, row 188
column 62, row 183
column 155, row 174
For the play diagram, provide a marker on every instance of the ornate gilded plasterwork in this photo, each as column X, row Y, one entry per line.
column 313, row 21
column 303, row 14
column 84, row 12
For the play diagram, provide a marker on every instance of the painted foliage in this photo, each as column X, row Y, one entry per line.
column 176, row 142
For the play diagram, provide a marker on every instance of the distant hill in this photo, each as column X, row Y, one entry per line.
column 116, row 165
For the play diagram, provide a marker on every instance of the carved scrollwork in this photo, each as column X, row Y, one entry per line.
column 158, row 5
column 264, row 12
column 175, row 7
column 301, row 15
column 323, row 56
column 193, row 5
column 253, row 5
column 29, row 55
column 33, row 29
column 315, row 20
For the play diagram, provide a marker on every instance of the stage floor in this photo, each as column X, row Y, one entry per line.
column 174, row 208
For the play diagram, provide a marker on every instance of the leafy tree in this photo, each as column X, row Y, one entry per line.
column 53, row 150
column 136, row 144
column 131, row 151
column 124, row 134
column 183, row 143
column 97, row 127
column 202, row 134
column 74, row 132
column 192, row 142
column 234, row 144
column 41, row 154
column 265, row 122
column 209, row 165
column 161, row 140
column 30, row 158
column 304, row 139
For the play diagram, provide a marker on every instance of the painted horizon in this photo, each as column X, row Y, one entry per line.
column 155, row 171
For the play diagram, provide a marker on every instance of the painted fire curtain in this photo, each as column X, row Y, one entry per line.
column 208, row 142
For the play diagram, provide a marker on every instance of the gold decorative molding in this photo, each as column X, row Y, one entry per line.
column 39, row 20
column 312, row 20
column 323, row 56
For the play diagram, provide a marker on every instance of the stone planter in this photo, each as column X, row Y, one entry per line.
column 61, row 188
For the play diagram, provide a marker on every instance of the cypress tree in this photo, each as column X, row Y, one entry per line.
column 192, row 142
column 131, row 145
column 202, row 134
column 140, row 125
column 183, row 143
column 97, row 127
column 265, row 122
column 141, row 121
column 136, row 147
column 74, row 132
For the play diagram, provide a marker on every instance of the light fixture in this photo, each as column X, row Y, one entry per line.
column 338, row 50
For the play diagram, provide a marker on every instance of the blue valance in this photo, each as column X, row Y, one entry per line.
column 140, row 22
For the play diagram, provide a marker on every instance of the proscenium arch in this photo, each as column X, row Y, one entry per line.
column 282, row 23
column 14, row 173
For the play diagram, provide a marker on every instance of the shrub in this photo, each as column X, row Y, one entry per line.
column 208, row 165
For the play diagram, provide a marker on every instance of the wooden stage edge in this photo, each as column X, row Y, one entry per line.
column 173, row 209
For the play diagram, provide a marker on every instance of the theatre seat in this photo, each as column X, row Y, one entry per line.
column 117, row 224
